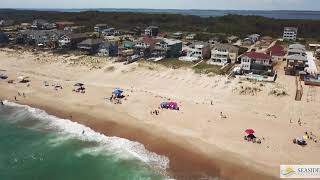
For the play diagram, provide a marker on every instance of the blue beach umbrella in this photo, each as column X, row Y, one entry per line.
column 117, row 92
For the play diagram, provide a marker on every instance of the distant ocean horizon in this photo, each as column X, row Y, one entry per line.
column 277, row 14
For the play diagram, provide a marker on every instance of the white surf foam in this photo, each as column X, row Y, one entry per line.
column 123, row 148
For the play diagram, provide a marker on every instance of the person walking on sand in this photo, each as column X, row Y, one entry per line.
column 15, row 98
column 1, row 102
column 299, row 122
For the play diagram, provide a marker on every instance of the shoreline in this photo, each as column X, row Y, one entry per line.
column 185, row 163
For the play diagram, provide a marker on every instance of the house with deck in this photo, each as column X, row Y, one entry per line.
column 200, row 50
column 257, row 63
column 222, row 54
column 108, row 49
column 168, row 48
column 71, row 40
column 295, row 64
column 297, row 49
column 90, row 46
column 145, row 46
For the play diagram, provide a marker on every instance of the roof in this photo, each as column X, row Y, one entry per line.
column 91, row 42
column 297, row 46
column 171, row 41
column 150, row 40
column 201, row 43
column 296, row 51
column 256, row 55
column 291, row 29
column 297, row 57
column 77, row 35
column 228, row 47
column 276, row 50
column 100, row 25
column 65, row 22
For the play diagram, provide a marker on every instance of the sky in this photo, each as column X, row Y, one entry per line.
column 168, row 4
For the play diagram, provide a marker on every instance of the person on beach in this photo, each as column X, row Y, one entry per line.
column 1, row 102
column 82, row 131
column 15, row 98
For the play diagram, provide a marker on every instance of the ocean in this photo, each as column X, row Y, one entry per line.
column 38, row 146
column 277, row 14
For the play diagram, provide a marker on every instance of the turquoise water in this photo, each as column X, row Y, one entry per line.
column 35, row 146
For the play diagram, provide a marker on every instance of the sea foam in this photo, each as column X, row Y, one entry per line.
column 120, row 147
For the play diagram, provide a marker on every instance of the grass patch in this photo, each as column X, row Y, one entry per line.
column 174, row 63
column 204, row 68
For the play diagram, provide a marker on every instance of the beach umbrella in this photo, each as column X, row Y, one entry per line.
column 78, row 84
column 117, row 92
column 249, row 131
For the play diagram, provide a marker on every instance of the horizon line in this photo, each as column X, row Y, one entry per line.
column 156, row 9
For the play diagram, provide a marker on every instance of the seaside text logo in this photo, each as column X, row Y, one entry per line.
column 299, row 171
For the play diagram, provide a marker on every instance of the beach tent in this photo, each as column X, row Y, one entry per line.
column 117, row 92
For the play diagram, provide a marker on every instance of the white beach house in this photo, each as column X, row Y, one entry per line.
column 290, row 33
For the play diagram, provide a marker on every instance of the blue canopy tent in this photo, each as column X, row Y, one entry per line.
column 117, row 92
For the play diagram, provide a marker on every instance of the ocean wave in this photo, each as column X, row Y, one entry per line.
column 122, row 148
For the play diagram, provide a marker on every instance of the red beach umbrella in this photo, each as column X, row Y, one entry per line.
column 249, row 131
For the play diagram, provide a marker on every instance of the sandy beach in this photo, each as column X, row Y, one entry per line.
column 196, row 139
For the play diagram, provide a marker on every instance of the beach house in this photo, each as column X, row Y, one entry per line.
column 151, row 31
column 6, row 22
column 277, row 52
column 100, row 27
column 108, row 32
column 168, row 48
column 90, row 45
column 63, row 24
column 41, row 24
column 177, row 35
column 222, row 54
column 71, row 40
column 145, row 46
column 108, row 49
column 295, row 64
column 200, row 50
column 41, row 38
column 297, row 49
column 3, row 38
column 256, row 63
column 191, row 36
column 290, row 33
